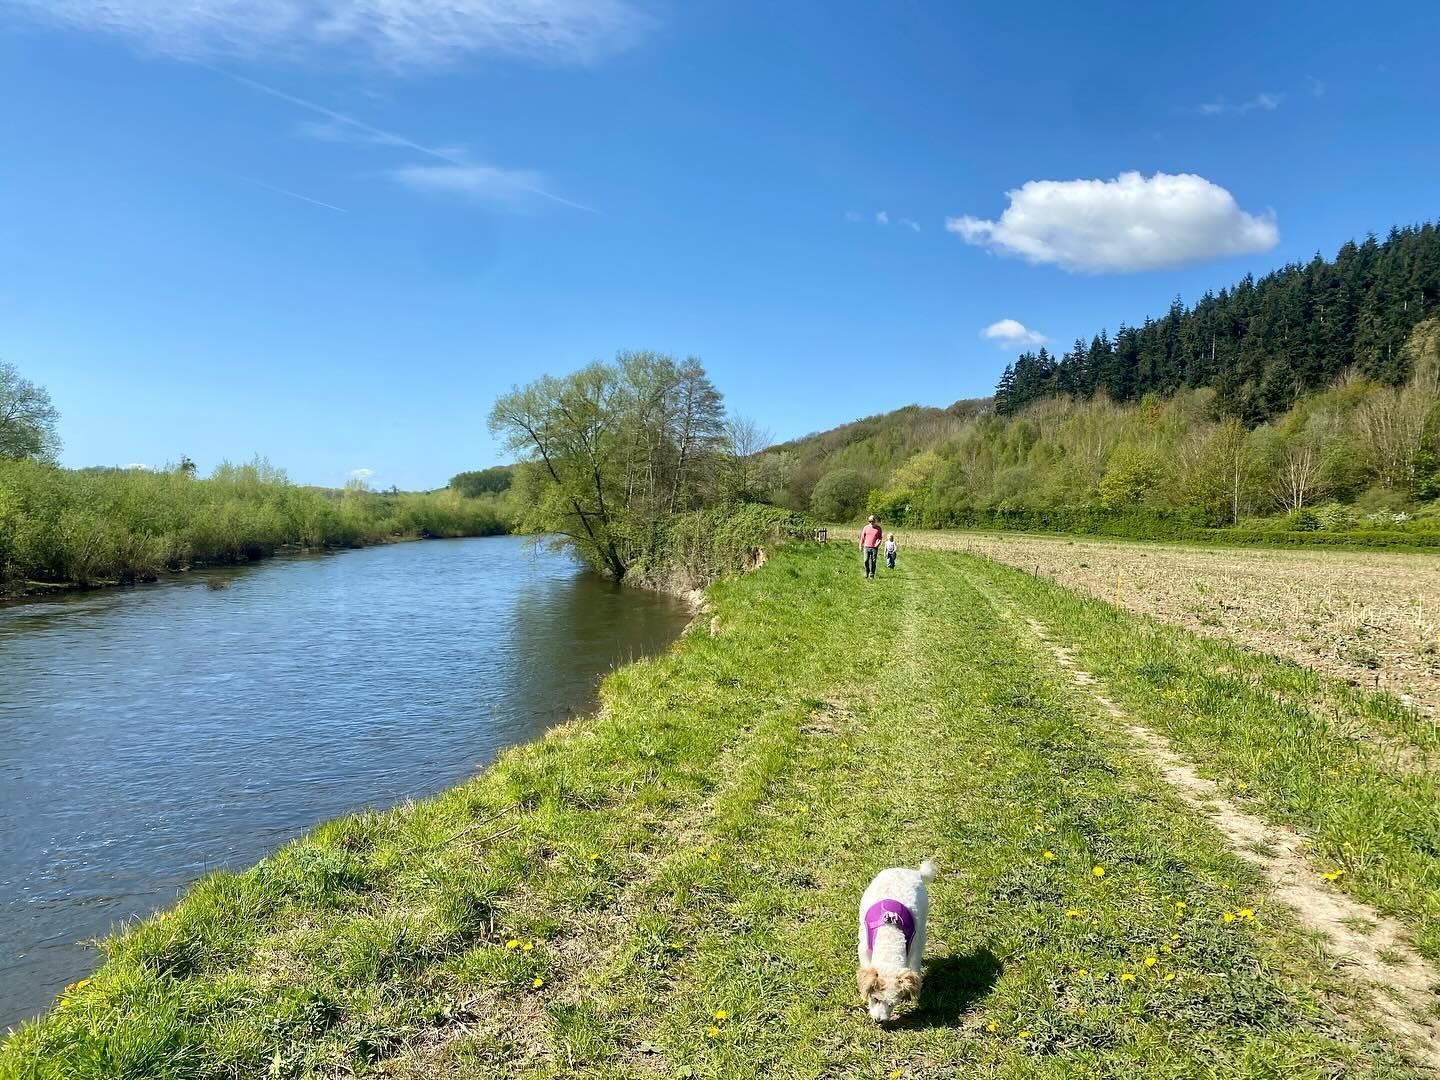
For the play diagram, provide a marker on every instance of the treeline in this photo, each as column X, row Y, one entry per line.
column 613, row 456
column 1360, row 454
column 89, row 526
column 1261, row 345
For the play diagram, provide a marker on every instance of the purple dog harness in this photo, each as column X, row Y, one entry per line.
column 892, row 913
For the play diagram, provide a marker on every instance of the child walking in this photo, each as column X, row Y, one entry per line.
column 890, row 550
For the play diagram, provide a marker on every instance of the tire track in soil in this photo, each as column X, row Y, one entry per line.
column 1401, row 982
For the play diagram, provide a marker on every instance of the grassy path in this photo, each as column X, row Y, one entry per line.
column 669, row 890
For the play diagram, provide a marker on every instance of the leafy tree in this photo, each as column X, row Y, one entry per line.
column 28, row 420
column 491, row 481
column 1131, row 475
column 839, row 495
column 611, row 450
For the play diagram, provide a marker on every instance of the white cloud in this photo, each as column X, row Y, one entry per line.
column 913, row 226
column 1009, row 332
column 361, row 474
column 394, row 32
column 882, row 218
column 1266, row 102
column 1129, row 223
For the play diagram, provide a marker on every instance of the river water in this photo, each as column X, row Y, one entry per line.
column 149, row 735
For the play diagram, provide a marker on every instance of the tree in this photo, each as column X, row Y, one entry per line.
column 28, row 420
column 839, row 496
column 1131, row 474
column 744, row 442
column 489, row 481
column 610, row 450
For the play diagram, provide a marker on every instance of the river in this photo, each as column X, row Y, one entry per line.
column 152, row 734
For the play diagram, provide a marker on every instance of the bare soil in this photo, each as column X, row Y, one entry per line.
column 1371, row 618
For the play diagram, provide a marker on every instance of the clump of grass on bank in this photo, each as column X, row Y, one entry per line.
column 84, row 526
column 669, row 888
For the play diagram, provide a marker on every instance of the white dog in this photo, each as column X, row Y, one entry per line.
column 892, row 937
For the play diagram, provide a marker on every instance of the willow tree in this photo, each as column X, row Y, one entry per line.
column 609, row 450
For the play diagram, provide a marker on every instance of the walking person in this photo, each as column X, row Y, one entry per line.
column 870, row 545
column 890, row 550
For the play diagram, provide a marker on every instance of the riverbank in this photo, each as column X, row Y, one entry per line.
column 668, row 888
column 83, row 528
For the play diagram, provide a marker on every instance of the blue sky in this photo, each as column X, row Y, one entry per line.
column 332, row 232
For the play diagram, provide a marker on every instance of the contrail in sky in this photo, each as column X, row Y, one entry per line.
column 293, row 194
column 379, row 133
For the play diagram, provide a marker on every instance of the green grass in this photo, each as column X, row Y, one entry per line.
column 699, row 847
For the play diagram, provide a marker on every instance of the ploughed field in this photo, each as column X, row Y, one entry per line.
column 1371, row 618
column 1157, row 858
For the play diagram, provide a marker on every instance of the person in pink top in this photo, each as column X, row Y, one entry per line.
column 870, row 544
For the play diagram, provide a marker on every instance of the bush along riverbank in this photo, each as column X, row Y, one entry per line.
column 685, row 552
column 668, row 888
column 82, row 527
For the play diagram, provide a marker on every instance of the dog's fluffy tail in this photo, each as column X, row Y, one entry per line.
column 927, row 869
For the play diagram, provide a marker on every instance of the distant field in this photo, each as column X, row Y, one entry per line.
column 1371, row 618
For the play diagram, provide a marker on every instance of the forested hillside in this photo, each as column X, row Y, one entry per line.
column 1357, row 454
column 1262, row 344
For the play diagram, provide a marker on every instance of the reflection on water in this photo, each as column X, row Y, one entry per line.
column 152, row 734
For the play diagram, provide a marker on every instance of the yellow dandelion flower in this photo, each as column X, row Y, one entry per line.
column 712, row 1031
column 539, row 982
column 714, row 856
column 1180, row 905
column 1099, row 871
column 1072, row 914
column 1333, row 875
column 527, row 946
column 699, row 851
column 1166, row 948
column 593, row 857
column 1049, row 855
column 1081, row 1011
column 1169, row 976
column 512, row 944
column 992, row 1026
column 1228, row 917
column 1126, row 976
column 1241, row 785
column 1082, row 972
column 721, row 1014
column 895, row 1074
column 1245, row 913
column 1150, row 961
column 1023, row 1035
column 1174, row 937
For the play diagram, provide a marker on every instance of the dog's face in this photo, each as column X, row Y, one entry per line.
column 882, row 993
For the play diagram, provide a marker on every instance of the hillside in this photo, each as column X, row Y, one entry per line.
column 1358, row 452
